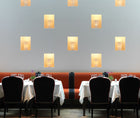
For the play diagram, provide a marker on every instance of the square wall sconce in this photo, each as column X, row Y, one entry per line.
column 25, row 43
column 96, row 21
column 25, row 3
column 49, row 21
column 72, row 43
column 49, row 60
column 96, row 60
column 120, row 43
column 119, row 3
column 72, row 3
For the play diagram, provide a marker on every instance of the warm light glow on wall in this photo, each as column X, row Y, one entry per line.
column 119, row 3
column 72, row 43
column 25, row 3
column 72, row 3
column 96, row 21
column 96, row 60
column 49, row 21
column 25, row 43
column 119, row 43
column 49, row 60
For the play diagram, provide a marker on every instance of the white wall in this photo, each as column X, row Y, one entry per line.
column 16, row 21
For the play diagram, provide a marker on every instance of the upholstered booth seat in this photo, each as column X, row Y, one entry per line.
column 4, row 74
column 76, row 91
column 117, row 75
column 66, row 91
column 71, row 81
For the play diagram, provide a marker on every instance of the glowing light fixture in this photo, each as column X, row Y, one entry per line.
column 119, row 3
column 49, row 60
column 96, row 21
column 96, row 60
column 25, row 43
column 25, row 3
column 72, row 43
column 119, row 43
column 72, row 3
column 49, row 21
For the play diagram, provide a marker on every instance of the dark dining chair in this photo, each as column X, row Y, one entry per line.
column 44, row 89
column 12, row 87
column 99, row 89
column 129, row 90
column 2, row 103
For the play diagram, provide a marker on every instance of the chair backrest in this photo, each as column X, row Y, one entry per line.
column 129, row 89
column 99, row 89
column 44, row 88
column 12, row 87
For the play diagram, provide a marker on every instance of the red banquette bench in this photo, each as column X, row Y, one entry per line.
column 71, row 84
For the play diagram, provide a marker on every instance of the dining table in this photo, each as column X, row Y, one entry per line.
column 84, row 91
column 28, row 91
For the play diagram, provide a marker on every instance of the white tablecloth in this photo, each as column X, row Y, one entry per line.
column 28, row 91
column 84, row 91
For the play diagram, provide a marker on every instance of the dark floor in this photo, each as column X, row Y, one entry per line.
column 68, row 113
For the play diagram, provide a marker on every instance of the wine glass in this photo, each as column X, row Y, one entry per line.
column 94, row 75
column 13, row 74
column 48, row 75
column 21, row 75
column 123, row 75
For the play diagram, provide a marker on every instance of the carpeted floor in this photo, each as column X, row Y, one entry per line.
column 67, row 113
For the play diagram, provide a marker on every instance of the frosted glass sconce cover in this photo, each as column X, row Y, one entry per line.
column 119, row 43
column 72, row 3
column 49, row 21
column 96, row 60
column 49, row 60
column 72, row 43
column 96, row 21
column 25, row 3
column 25, row 43
column 119, row 3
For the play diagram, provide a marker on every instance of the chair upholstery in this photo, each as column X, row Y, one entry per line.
column 41, row 85
column 12, row 87
column 99, row 89
column 129, row 90
column 44, row 88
